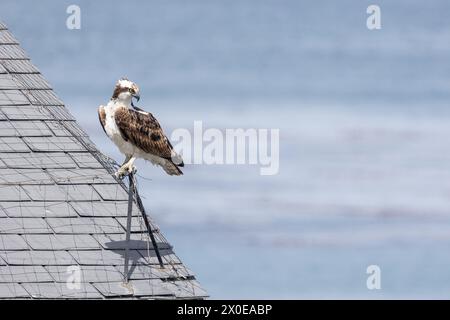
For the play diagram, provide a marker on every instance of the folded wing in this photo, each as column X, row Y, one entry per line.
column 143, row 130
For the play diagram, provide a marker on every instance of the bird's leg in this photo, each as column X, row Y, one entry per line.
column 129, row 166
column 122, row 170
column 127, row 158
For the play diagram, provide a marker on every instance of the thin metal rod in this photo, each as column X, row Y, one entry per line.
column 130, row 210
column 149, row 227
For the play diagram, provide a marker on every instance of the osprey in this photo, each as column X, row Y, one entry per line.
column 136, row 132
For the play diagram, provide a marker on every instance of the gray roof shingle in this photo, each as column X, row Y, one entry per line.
column 33, row 257
column 44, row 209
column 61, row 207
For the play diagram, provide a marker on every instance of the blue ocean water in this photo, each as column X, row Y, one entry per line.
column 363, row 116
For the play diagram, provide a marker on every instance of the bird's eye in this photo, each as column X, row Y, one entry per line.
column 131, row 90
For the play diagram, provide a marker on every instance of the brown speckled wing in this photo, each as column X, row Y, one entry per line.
column 143, row 130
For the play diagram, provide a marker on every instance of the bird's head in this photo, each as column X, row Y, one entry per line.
column 125, row 90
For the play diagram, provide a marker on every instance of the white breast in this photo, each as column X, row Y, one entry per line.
column 113, row 131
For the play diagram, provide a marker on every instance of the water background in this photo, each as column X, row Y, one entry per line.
column 364, row 133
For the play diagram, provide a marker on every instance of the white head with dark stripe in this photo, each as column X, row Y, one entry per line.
column 124, row 91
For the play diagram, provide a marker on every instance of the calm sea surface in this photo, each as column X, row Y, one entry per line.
column 364, row 133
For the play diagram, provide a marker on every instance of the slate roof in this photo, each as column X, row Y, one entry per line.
column 61, row 207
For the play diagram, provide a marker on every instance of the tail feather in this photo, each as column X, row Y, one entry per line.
column 177, row 159
column 172, row 169
column 169, row 166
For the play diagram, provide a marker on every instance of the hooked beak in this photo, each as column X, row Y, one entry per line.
column 137, row 97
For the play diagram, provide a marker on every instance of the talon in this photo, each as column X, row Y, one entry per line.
column 132, row 169
column 120, row 174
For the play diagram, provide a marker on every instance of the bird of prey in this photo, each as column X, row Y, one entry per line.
column 136, row 132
